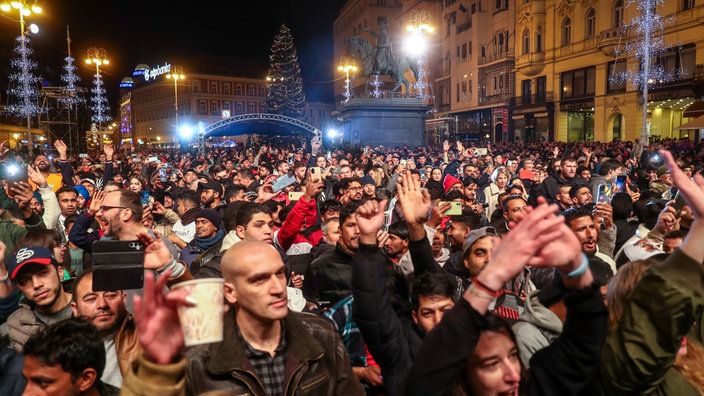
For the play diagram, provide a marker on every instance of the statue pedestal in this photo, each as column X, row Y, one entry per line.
column 389, row 122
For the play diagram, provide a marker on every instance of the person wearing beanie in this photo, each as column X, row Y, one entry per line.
column 208, row 238
column 451, row 183
column 83, row 197
column 663, row 184
column 368, row 187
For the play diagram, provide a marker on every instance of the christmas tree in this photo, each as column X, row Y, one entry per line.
column 24, row 83
column 285, row 96
column 99, row 102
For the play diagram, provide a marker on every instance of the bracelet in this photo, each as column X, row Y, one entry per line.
column 4, row 278
column 485, row 288
column 479, row 293
column 576, row 273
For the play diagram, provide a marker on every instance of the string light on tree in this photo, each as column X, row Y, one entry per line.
column 285, row 94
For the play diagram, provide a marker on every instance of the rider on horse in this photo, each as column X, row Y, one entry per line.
column 383, row 54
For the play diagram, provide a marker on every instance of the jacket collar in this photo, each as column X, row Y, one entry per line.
column 229, row 355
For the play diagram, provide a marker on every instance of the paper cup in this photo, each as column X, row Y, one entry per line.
column 203, row 323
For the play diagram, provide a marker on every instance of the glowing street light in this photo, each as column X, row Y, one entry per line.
column 176, row 74
column 347, row 66
column 98, row 57
column 24, row 10
column 416, row 44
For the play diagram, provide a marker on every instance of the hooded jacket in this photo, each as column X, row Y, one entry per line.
column 536, row 328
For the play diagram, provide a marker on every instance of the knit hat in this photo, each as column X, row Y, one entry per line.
column 38, row 197
column 211, row 215
column 368, row 179
column 662, row 170
column 450, row 181
column 83, row 191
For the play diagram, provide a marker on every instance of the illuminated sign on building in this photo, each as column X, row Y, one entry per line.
column 154, row 72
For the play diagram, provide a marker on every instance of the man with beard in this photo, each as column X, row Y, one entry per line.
column 107, row 311
column 211, row 195
column 68, row 203
column 566, row 176
column 35, row 272
column 581, row 222
column 122, row 210
column 43, row 165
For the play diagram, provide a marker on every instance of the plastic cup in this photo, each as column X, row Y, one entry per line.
column 203, row 323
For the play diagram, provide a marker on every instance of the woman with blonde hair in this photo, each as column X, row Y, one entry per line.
column 499, row 181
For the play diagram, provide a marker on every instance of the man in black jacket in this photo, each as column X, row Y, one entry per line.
column 328, row 279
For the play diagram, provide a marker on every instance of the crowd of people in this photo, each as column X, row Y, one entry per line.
column 464, row 269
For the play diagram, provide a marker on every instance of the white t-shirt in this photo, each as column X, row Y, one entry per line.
column 185, row 232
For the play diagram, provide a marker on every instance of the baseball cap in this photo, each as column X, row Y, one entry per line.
column 476, row 235
column 28, row 255
column 212, row 185
column 89, row 180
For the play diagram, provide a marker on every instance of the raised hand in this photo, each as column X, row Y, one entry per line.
column 156, row 317
column 109, row 150
column 521, row 244
column 96, row 202
column 313, row 188
column 438, row 213
column 414, row 202
column 265, row 193
column 555, row 151
column 445, row 146
column 22, row 193
column 3, row 149
column 61, row 148
column 156, row 254
column 158, row 208
column 370, row 219
column 35, row 176
column 692, row 190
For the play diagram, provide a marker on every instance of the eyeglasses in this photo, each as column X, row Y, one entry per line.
column 105, row 208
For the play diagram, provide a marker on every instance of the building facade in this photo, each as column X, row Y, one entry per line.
column 536, row 70
column 148, row 114
column 573, row 55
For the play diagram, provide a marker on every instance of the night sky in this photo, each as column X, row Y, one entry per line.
column 155, row 31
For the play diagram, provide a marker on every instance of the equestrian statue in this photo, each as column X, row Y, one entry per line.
column 382, row 60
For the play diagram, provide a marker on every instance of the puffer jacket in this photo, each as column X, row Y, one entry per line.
column 328, row 279
column 23, row 323
column 316, row 364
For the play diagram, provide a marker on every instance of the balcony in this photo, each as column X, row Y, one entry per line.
column 531, row 64
column 534, row 99
column 609, row 41
column 502, row 98
column 464, row 26
column 507, row 55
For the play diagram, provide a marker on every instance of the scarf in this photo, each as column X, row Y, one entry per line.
column 190, row 216
column 204, row 244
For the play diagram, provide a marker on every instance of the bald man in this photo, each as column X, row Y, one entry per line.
column 263, row 337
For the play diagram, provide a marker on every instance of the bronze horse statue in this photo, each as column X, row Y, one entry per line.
column 361, row 50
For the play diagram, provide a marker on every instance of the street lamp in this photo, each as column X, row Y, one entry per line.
column 417, row 44
column 176, row 74
column 98, row 57
column 24, row 10
column 347, row 66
